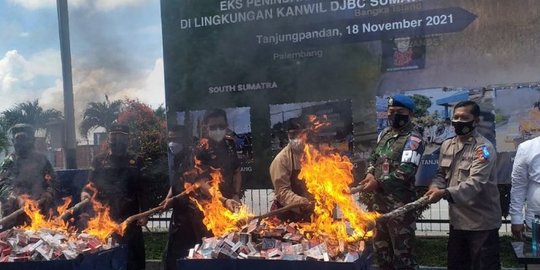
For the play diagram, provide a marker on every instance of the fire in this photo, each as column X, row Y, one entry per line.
column 101, row 225
column 318, row 123
column 327, row 178
column 217, row 218
column 39, row 221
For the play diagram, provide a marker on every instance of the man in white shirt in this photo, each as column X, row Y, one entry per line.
column 525, row 186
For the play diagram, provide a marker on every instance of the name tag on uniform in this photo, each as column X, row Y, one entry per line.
column 410, row 156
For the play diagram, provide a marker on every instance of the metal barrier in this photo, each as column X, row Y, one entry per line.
column 433, row 221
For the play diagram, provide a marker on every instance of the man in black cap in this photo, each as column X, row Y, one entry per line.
column 26, row 172
column 390, row 180
column 117, row 177
column 284, row 172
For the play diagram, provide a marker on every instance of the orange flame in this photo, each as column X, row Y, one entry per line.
column 101, row 225
column 318, row 123
column 217, row 218
column 327, row 178
column 39, row 221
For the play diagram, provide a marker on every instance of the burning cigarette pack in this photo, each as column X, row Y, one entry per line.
column 275, row 241
column 45, row 245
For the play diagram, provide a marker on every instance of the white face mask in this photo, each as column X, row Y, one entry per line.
column 176, row 147
column 296, row 144
column 217, row 134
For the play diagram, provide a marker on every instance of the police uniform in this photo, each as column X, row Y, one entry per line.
column 119, row 183
column 467, row 171
column 220, row 155
column 393, row 163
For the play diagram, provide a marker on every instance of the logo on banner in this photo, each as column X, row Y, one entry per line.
column 403, row 53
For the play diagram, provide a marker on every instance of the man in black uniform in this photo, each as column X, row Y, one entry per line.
column 182, row 234
column 25, row 172
column 117, row 176
column 218, row 151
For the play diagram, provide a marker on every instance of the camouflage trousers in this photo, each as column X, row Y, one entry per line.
column 394, row 243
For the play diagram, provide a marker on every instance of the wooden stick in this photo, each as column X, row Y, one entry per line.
column 281, row 210
column 74, row 208
column 10, row 217
column 14, row 215
column 152, row 211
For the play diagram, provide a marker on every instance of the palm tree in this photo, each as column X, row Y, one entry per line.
column 29, row 112
column 100, row 114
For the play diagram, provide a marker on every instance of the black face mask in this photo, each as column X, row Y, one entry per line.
column 463, row 128
column 22, row 149
column 398, row 120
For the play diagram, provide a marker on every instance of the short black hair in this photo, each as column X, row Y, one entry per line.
column 295, row 124
column 215, row 113
column 474, row 108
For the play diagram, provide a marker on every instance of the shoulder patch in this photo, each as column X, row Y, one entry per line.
column 413, row 143
column 482, row 153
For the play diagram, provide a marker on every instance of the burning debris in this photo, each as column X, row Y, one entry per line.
column 44, row 238
column 45, row 245
column 272, row 239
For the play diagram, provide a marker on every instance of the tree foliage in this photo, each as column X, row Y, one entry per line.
column 99, row 114
column 29, row 112
column 148, row 140
column 422, row 104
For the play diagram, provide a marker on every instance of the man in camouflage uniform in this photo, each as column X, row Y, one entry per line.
column 466, row 178
column 26, row 172
column 390, row 178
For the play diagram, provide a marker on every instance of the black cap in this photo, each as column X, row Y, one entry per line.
column 119, row 129
column 23, row 128
column 295, row 124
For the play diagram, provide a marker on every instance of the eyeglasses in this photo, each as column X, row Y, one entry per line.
column 214, row 127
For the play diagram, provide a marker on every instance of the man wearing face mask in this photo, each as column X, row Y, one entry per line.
column 466, row 178
column 117, row 176
column 25, row 172
column 390, row 179
column 217, row 150
column 284, row 171
column 182, row 234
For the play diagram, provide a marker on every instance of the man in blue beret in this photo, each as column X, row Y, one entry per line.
column 390, row 181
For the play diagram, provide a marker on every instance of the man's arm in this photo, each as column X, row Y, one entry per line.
column 479, row 176
column 518, row 193
column 280, row 174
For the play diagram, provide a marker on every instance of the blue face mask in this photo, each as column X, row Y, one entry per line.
column 175, row 147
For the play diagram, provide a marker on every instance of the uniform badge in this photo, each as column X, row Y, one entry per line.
column 482, row 153
column 413, row 143
column 131, row 162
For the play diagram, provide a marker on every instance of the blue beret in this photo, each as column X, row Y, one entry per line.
column 401, row 101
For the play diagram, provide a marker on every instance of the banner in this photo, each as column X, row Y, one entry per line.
column 261, row 56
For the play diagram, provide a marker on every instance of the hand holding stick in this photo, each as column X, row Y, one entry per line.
column 154, row 210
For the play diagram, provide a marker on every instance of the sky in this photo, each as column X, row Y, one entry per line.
column 116, row 50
